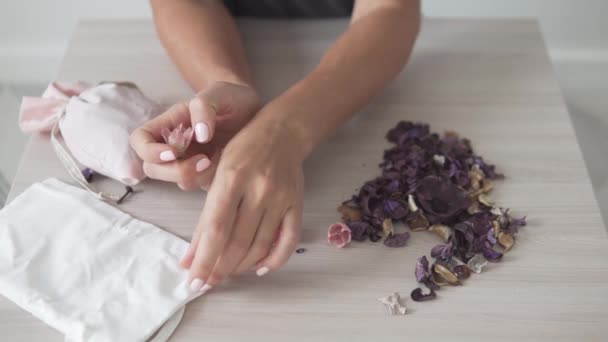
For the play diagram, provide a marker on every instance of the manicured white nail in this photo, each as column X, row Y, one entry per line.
column 202, row 164
column 202, row 132
column 261, row 271
column 167, row 156
column 197, row 285
column 205, row 288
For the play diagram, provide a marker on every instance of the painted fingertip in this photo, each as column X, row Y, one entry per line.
column 167, row 156
column 262, row 271
column 205, row 288
column 202, row 164
column 197, row 285
column 201, row 130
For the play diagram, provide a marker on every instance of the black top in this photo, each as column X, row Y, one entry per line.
column 290, row 8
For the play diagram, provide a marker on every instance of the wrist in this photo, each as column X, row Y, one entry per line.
column 225, row 76
column 295, row 133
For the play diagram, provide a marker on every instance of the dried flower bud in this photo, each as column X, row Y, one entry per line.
column 339, row 234
column 179, row 138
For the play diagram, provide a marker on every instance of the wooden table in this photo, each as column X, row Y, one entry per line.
column 490, row 80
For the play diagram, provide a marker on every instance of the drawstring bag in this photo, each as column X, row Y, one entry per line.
column 95, row 123
column 89, row 270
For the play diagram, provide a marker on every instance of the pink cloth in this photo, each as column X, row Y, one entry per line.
column 96, row 123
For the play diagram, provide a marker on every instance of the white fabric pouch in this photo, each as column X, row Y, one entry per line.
column 88, row 269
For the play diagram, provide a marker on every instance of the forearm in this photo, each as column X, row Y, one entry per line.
column 362, row 62
column 202, row 40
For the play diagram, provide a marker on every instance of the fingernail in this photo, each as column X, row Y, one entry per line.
column 205, row 288
column 167, row 156
column 202, row 132
column 261, row 271
column 197, row 285
column 202, row 164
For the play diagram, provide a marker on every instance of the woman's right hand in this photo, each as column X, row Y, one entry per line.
column 216, row 114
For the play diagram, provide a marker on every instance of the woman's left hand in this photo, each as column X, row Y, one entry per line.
column 256, row 194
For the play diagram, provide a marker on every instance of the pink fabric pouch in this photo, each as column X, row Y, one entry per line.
column 95, row 123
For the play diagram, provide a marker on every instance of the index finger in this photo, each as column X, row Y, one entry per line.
column 145, row 139
column 215, row 224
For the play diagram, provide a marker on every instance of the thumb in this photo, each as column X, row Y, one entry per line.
column 203, row 114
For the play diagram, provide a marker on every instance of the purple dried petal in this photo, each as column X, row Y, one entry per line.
column 515, row 224
column 490, row 237
column 396, row 209
column 444, row 251
column 397, row 240
column 418, row 295
column 359, row 230
column 422, row 268
column 441, row 198
column 490, row 254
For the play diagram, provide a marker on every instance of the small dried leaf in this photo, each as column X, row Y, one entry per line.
column 477, row 263
column 441, row 230
column 462, row 271
column 485, row 200
column 411, row 203
column 350, row 213
column 387, row 227
column 506, row 240
column 444, row 275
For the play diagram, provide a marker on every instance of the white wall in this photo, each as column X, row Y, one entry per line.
column 33, row 33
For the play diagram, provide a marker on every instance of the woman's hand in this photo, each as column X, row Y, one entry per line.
column 216, row 115
column 257, row 193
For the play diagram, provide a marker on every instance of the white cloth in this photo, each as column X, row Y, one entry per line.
column 88, row 269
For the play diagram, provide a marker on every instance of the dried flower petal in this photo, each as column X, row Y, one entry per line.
column 477, row 263
column 496, row 228
column 393, row 303
column 462, row 271
column 441, row 230
column 441, row 199
column 442, row 275
column 444, row 251
column 506, row 240
column 360, row 230
column 418, row 295
column 417, row 221
column 439, row 159
column 397, row 240
column 475, row 178
column 485, row 200
column 396, row 209
column 339, row 235
column 473, row 208
column 411, row 203
column 422, row 268
column 387, row 227
column 490, row 254
column 179, row 138
column 350, row 213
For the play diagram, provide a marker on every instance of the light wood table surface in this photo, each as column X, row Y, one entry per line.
column 490, row 80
